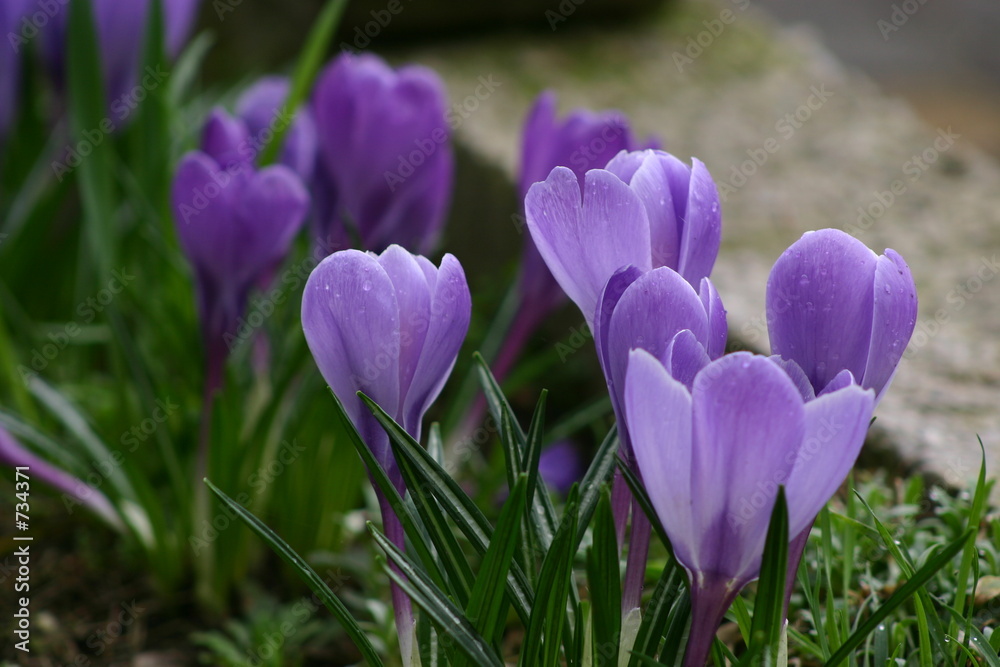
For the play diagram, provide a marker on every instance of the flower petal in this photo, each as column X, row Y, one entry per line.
column 225, row 139
column 701, row 227
column 271, row 208
column 651, row 184
column 819, row 304
column 658, row 409
column 685, row 357
column 835, row 428
column 447, row 323
column 893, row 320
column 413, row 295
column 350, row 318
column 718, row 326
column 748, row 425
column 583, row 244
column 797, row 376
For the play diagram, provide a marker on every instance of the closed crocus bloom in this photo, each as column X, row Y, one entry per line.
column 385, row 165
column 260, row 107
column 234, row 224
column 121, row 30
column 834, row 305
column 646, row 209
column 661, row 313
column 712, row 457
column 388, row 325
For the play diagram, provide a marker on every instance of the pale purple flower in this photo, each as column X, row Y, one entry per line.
column 385, row 160
column 713, row 456
column 234, row 224
column 14, row 455
column 834, row 305
column 260, row 107
column 121, row 31
column 646, row 209
column 388, row 325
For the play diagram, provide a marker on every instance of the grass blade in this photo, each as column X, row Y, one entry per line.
column 902, row 594
column 305, row 72
column 769, row 606
column 428, row 597
column 453, row 500
column 604, row 580
column 486, row 607
column 309, row 575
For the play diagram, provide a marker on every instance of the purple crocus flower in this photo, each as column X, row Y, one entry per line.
column 260, row 107
column 838, row 311
column 713, row 453
column 14, row 455
column 834, row 305
column 121, row 30
column 581, row 141
column 234, row 224
column 385, row 165
column 646, row 209
column 391, row 326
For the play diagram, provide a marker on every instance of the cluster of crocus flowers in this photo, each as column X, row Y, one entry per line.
column 385, row 166
column 646, row 210
column 714, row 436
column 390, row 326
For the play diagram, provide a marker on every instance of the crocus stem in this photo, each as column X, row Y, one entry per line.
column 621, row 500
column 638, row 551
column 795, row 550
column 710, row 599
column 401, row 605
column 215, row 363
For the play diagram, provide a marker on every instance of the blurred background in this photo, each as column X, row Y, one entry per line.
column 945, row 62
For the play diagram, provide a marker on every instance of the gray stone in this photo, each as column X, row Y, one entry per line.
column 730, row 99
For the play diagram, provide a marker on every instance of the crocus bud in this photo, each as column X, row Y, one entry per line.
column 76, row 492
column 261, row 108
column 385, row 165
column 661, row 313
column 713, row 456
column 646, row 209
column 834, row 305
column 388, row 325
column 121, row 31
column 234, row 224
column 561, row 465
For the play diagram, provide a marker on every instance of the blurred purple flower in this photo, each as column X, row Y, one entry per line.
column 561, row 465
column 646, row 209
column 713, row 456
column 121, row 31
column 391, row 326
column 234, row 224
column 834, row 305
column 260, row 107
column 12, row 13
column 385, row 165
column 14, row 455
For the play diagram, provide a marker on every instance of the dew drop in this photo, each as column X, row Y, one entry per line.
column 366, row 286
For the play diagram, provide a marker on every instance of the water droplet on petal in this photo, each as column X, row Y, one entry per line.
column 366, row 286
